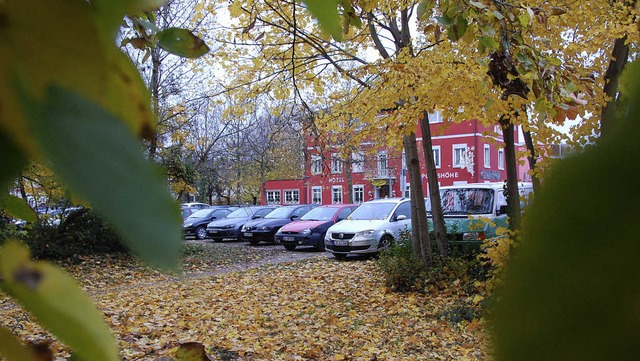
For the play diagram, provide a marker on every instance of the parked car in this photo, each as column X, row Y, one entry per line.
column 311, row 228
column 265, row 229
column 372, row 227
column 188, row 209
column 473, row 212
column 229, row 227
column 196, row 224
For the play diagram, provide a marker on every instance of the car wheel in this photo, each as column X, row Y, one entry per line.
column 339, row 256
column 290, row 247
column 385, row 243
column 201, row 232
column 320, row 246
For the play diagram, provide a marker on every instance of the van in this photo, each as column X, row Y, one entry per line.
column 473, row 212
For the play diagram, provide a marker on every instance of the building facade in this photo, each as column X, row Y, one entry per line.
column 464, row 153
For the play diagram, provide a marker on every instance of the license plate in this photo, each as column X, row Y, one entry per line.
column 248, row 234
column 341, row 242
column 212, row 231
column 288, row 239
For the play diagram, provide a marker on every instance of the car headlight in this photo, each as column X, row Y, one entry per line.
column 366, row 234
column 264, row 228
column 306, row 232
column 229, row 226
column 187, row 225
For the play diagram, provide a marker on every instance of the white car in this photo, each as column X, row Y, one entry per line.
column 372, row 227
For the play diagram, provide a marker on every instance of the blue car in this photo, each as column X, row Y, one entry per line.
column 229, row 227
column 265, row 229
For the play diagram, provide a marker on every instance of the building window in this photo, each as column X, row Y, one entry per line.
column 358, row 193
column 435, row 117
column 498, row 130
column 336, row 164
column 357, row 162
column 407, row 190
column 459, row 151
column 382, row 165
column 487, row 156
column 336, row 195
column 316, row 195
column 316, row 164
column 273, row 197
column 292, row 196
column 436, row 155
column 501, row 159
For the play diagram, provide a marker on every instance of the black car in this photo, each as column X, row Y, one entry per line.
column 229, row 227
column 196, row 224
column 265, row 229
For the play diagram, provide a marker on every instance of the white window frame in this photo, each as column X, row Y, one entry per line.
column 357, row 162
column 272, row 195
column 358, row 189
column 317, row 190
column 336, row 190
column 458, row 147
column 487, row 156
column 290, row 196
column 407, row 190
column 437, row 155
column 383, row 159
column 435, row 117
column 501, row 159
column 316, row 164
column 336, row 164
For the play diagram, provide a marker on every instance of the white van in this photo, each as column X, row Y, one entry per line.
column 473, row 212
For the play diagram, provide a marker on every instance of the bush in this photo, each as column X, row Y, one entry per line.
column 81, row 233
column 402, row 271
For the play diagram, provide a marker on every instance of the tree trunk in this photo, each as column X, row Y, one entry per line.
column 512, row 173
column 437, row 218
column 532, row 158
column 419, row 225
column 349, row 176
column 619, row 56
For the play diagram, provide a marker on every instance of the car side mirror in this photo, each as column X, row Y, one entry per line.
column 401, row 217
column 256, row 217
column 504, row 209
column 294, row 217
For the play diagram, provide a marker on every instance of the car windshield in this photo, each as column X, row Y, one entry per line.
column 242, row 213
column 200, row 214
column 466, row 201
column 369, row 211
column 279, row 213
column 320, row 214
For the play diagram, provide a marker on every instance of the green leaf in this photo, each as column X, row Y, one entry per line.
column 425, row 8
column 57, row 302
column 497, row 14
column 573, row 284
column 182, row 42
column 326, row 11
column 102, row 162
column 12, row 349
column 489, row 42
column 478, row 4
column 444, row 20
column 12, row 159
column 17, row 207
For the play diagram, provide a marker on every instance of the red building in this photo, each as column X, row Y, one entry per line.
column 467, row 152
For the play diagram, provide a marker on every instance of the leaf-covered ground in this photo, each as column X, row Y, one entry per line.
column 318, row 309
